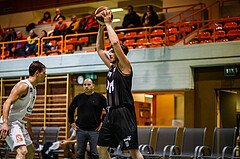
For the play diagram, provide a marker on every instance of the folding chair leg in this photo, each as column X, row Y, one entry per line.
column 6, row 154
column 40, row 155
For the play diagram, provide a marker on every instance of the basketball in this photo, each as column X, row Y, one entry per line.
column 97, row 14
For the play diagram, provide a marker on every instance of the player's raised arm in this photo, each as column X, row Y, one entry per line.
column 19, row 91
column 124, row 63
column 101, row 47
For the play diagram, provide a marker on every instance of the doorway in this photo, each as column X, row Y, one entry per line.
column 227, row 107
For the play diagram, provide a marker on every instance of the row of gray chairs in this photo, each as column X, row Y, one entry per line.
column 192, row 143
column 50, row 135
column 224, row 140
column 165, row 136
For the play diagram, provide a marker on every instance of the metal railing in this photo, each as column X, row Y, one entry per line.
column 4, row 44
column 179, row 35
column 180, row 14
column 60, row 42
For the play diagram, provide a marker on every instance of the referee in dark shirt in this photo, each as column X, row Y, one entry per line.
column 89, row 109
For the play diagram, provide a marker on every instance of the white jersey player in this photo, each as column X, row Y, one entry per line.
column 17, row 110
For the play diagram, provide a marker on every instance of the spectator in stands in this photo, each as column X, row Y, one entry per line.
column 2, row 34
column 89, row 109
column 46, row 18
column 92, row 26
column 73, row 26
column 46, row 46
column 58, row 15
column 31, row 45
column 131, row 20
column 150, row 18
column 6, row 33
column 60, row 27
column 10, row 37
column 82, row 24
column 19, row 47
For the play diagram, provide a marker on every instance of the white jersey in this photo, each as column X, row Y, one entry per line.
column 21, row 110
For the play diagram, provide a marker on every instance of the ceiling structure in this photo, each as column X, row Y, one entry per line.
column 33, row 10
column 16, row 6
column 80, row 7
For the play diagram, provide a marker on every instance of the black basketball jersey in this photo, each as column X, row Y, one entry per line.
column 119, row 88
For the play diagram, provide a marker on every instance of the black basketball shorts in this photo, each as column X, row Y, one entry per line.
column 119, row 127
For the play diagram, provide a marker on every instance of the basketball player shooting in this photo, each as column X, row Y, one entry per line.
column 123, row 125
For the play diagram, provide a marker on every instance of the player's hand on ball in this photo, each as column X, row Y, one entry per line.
column 107, row 15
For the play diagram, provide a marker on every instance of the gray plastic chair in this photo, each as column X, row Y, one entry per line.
column 144, row 138
column 37, row 132
column 223, row 143
column 50, row 135
column 193, row 139
column 166, row 137
column 234, row 153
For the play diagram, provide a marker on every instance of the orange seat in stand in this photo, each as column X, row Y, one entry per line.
column 72, row 40
column 157, row 32
column 186, row 29
column 131, row 35
column 69, row 47
column 129, row 42
column 88, row 51
column 172, row 38
column 83, row 39
column 30, row 56
column 172, row 31
column 140, row 47
column 107, row 44
column 120, row 36
column 156, row 40
column 9, row 58
column 203, row 35
column 141, row 41
column 219, row 34
column 157, row 45
column 6, row 53
column 206, row 41
column 236, row 39
column 233, row 33
column 142, row 34
column 230, row 25
column 222, row 40
column 191, row 43
column 53, row 42
column 53, row 54
column 130, row 47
